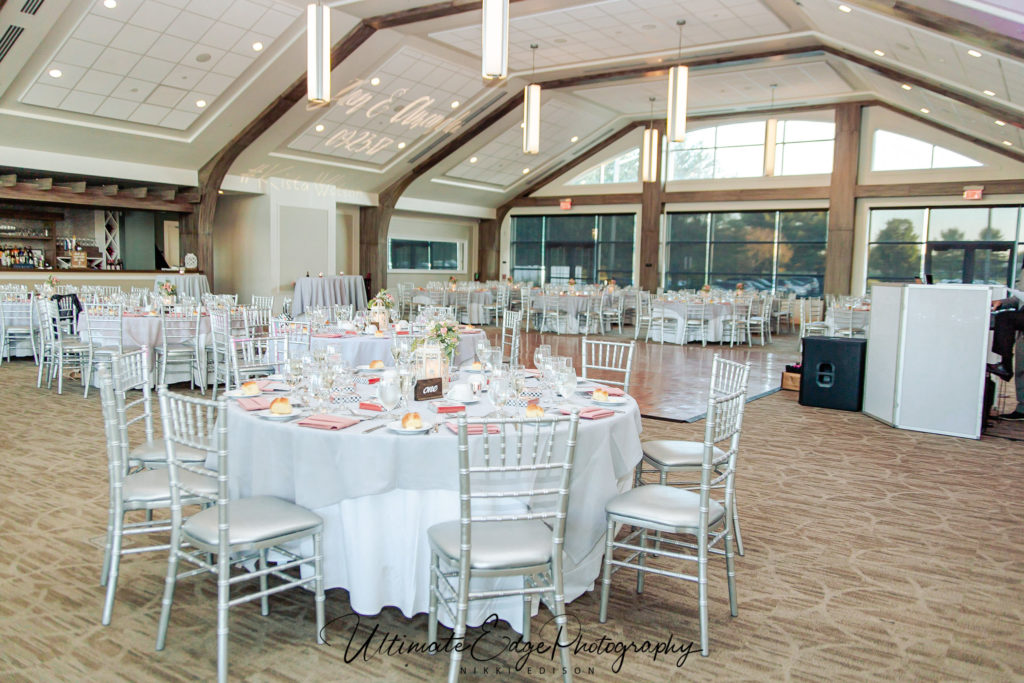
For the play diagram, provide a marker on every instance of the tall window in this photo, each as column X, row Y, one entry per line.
column 804, row 147
column 951, row 244
column 780, row 250
column 895, row 152
column 624, row 168
column 587, row 248
column 425, row 255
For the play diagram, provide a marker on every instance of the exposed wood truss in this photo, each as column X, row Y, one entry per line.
column 80, row 193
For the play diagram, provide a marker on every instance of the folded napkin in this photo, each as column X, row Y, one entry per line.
column 333, row 422
column 591, row 413
column 401, row 331
column 258, row 403
column 363, row 405
column 448, row 408
column 274, row 385
column 330, row 336
column 612, row 391
column 474, row 429
column 373, row 380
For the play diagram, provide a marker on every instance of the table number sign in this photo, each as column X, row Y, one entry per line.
column 427, row 389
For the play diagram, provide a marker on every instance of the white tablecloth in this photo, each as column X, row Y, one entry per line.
column 329, row 291
column 714, row 313
column 861, row 318
column 190, row 284
column 358, row 349
column 378, row 494
column 570, row 304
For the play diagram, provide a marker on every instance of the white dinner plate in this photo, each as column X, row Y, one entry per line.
column 237, row 393
column 367, row 368
column 267, row 415
column 611, row 401
column 397, row 427
column 469, row 368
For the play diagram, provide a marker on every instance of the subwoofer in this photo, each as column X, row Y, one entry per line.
column 833, row 372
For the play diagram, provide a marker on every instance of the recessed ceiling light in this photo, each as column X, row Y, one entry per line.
column 1007, row 143
column 879, row 53
column 989, row 93
column 974, row 53
column 374, row 81
column 401, row 145
column 257, row 46
column 55, row 73
column 1000, row 123
column 319, row 128
column 472, row 160
column 926, row 110
column 844, row 8
column 110, row 4
column 220, row 191
column 455, row 104
column 525, row 171
column 200, row 103
column 574, row 138
column 906, row 86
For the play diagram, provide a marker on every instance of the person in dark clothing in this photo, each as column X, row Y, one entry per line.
column 1004, row 336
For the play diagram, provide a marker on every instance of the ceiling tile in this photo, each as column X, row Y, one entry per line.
column 148, row 113
column 232, row 65
column 133, row 89
column 82, row 102
column 116, row 61
column 135, row 39
column 213, row 84
column 170, row 48
column 113, row 108
column 149, row 69
column 242, row 13
column 223, row 35
column 189, row 25
column 179, row 120
column 79, row 52
column 98, row 82
column 45, row 95
column 154, row 16
column 97, row 29
column 184, row 77
column 165, row 96
column 209, row 8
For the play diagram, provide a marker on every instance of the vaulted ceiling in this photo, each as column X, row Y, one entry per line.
column 166, row 84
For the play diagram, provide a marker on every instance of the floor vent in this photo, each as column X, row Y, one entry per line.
column 7, row 40
column 31, row 6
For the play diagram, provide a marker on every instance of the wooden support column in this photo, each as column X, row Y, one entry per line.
column 842, row 200
column 373, row 238
column 651, row 205
column 488, row 241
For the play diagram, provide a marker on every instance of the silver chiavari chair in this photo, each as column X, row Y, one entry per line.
column 106, row 331
column 589, row 318
column 511, row 324
column 256, row 320
column 266, row 302
column 812, row 319
column 553, row 316
column 695, row 322
column 665, row 456
column 220, row 346
column 298, row 333
column 498, row 304
column 667, row 509
column 759, row 321
column 63, row 349
column 514, row 498
column 613, row 360
column 736, row 325
column 613, row 307
column 254, row 525
column 664, row 321
column 257, row 356
column 17, row 323
column 147, row 489
column 644, row 313
column 179, row 346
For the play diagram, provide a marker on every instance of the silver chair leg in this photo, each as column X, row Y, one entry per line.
column 606, row 576
column 223, row 598
column 527, row 613
column 435, row 567
column 168, row 599
column 641, row 562
column 736, row 527
column 318, row 569
column 115, row 564
column 264, row 601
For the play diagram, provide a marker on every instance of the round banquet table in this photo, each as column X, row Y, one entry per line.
column 360, row 349
column 329, row 291
column 379, row 492
column 571, row 304
column 191, row 284
column 714, row 313
column 861, row 319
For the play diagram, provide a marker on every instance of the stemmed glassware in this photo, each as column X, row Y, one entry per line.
column 501, row 389
column 566, row 382
column 389, row 391
column 539, row 354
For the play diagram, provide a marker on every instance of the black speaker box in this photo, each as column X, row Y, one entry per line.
column 833, row 372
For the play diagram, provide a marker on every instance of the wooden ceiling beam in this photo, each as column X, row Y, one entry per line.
column 29, row 192
column 8, row 180
column 42, row 183
column 76, row 186
column 437, row 10
column 941, row 23
column 938, row 188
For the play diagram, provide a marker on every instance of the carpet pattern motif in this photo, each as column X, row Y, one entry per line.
column 871, row 554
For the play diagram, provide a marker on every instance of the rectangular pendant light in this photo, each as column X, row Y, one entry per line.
column 495, row 39
column 649, row 155
column 677, row 77
column 531, row 119
column 318, row 53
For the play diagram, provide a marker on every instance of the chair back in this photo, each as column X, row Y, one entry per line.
column 297, row 333
column 609, row 358
column 511, row 321
column 723, row 424
column 16, row 311
column 130, row 373
column 728, row 376
column 812, row 311
column 257, row 320
column 180, row 327
column 266, row 302
column 220, row 328
column 251, row 356
column 695, row 312
column 106, row 325
column 117, row 464
column 643, row 305
column 515, row 469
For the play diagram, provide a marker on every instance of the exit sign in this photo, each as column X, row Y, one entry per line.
column 973, row 192
column 565, row 204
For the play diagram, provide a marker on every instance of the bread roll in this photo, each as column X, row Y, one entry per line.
column 412, row 421
column 534, row 411
column 250, row 389
column 281, row 406
column 376, row 364
column 600, row 395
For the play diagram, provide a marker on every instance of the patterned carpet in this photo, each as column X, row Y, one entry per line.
column 871, row 554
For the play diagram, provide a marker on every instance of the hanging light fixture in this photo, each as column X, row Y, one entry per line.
column 677, row 81
column 531, row 112
column 495, row 39
column 649, row 151
column 318, row 53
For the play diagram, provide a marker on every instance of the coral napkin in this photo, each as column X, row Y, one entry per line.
column 612, row 391
column 402, row 332
column 333, row 422
column 591, row 413
column 474, row 429
column 449, row 408
column 371, row 406
column 329, row 336
column 258, row 403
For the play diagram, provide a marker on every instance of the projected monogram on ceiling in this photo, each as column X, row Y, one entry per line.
column 417, row 114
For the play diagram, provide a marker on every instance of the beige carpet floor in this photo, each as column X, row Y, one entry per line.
column 871, row 554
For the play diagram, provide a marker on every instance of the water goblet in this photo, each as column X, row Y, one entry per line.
column 540, row 353
column 567, row 382
column 389, row 391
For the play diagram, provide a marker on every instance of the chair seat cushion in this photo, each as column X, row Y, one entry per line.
column 152, row 486
column 17, row 330
column 253, row 520
column 154, row 452
column 664, row 506
column 671, row 453
column 113, row 350
column 496, row 545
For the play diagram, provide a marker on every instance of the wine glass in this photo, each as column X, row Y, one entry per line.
column 501, row 390
column 540, row 353
column 315, row 391
column 482, row 346
column 396, row 350
column 406, row 381
column 389, row 391
column 518, row 382
column 567, row 382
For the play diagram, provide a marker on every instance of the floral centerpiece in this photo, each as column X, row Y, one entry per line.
column 444, row 333
column 739, row 286
column 572, row 282
column 706, row 289
column 383, row 299
column 451, row 279
column 380, row 306
column 168, row 289
column 52, row 281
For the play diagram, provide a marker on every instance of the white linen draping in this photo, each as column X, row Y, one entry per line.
column 328, row 291
column 571, row 304
column 379, row 492
column 861, row 319
column 358, row 349
column 715, row 313
column 190, row 284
